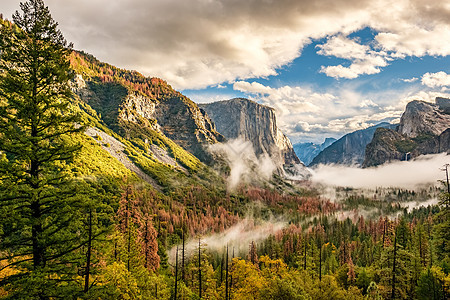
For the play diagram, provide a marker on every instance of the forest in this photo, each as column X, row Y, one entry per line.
column 77, row 224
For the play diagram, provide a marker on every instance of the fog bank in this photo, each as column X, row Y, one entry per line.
column 245, row 166
column 401, row 174
column 237, row 237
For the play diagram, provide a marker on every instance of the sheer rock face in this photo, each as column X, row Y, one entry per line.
column 425, row 118
column 350, row 149
column 435, row 145
column 136, row 107
column 424, row 129
column 255, row 123
column 389, row 145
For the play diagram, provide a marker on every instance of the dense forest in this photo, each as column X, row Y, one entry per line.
column 77, row 224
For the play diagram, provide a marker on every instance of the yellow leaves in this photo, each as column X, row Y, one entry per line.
column 272, row 268
column 247, row 280
column 5, row 273
column 118, row 276
column 440, row 275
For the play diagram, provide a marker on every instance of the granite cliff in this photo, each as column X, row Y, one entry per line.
column 422, row 117
column 256, row 123
column 424, row 129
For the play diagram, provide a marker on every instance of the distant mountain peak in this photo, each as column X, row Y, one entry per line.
column 349, row 149
column 308, row 151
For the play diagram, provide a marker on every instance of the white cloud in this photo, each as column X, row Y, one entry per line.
column 428, row 96
column 400, row 174
column 209, row 96
column 436, row 79
column 343, row 47
column 367, row 103
column 304, row 113
column 363, row 59
column 254, row 87
column 417, row 41
column 237, row 237
column 198, row 43
column 409, row 80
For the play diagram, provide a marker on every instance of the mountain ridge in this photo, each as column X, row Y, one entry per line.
column 127, row 98
column 424, row 129
column 349, row 149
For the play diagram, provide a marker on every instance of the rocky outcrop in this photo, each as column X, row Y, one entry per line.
column 255, row 123
column 183, row 122
column 306, row 152
column 424, row 129
column 443, row 104
column 389, row 145
column 386, row 146
column 438, row 144
column 421, row 117
column 350, row 149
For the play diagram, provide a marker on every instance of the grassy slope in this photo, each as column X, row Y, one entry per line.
column 167, row 176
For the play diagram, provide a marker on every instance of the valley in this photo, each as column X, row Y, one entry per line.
column 115, row 185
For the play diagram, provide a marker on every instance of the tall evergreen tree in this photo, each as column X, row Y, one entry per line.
column 252, row 253
column 36, row 123
column 442, row 229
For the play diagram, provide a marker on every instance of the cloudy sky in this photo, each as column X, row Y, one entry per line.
column 328, row 67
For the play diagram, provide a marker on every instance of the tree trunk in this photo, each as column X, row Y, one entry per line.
column 176, row 275
column 393, row 267
column 36, row 230
column 183, row 276
column 320, row 262
column 88, row 254
column 128, row 230
column 231, row 276
column 221, row 268
column 304, row 260
column 199, row 270
column 226, row 276
column 35, row 206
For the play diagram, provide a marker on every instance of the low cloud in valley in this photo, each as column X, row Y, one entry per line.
column 402, row 174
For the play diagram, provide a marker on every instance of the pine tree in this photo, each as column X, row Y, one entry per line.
column 226, row 276
column 96, row 224
column 176, row 275
column 252, row 254
column 442, row 229
column 149, row 244
column 37, row 199
column 199, row 269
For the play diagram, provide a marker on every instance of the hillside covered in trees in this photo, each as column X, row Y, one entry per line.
column 150, row 216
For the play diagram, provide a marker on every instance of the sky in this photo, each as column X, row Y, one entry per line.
column 328, row 67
